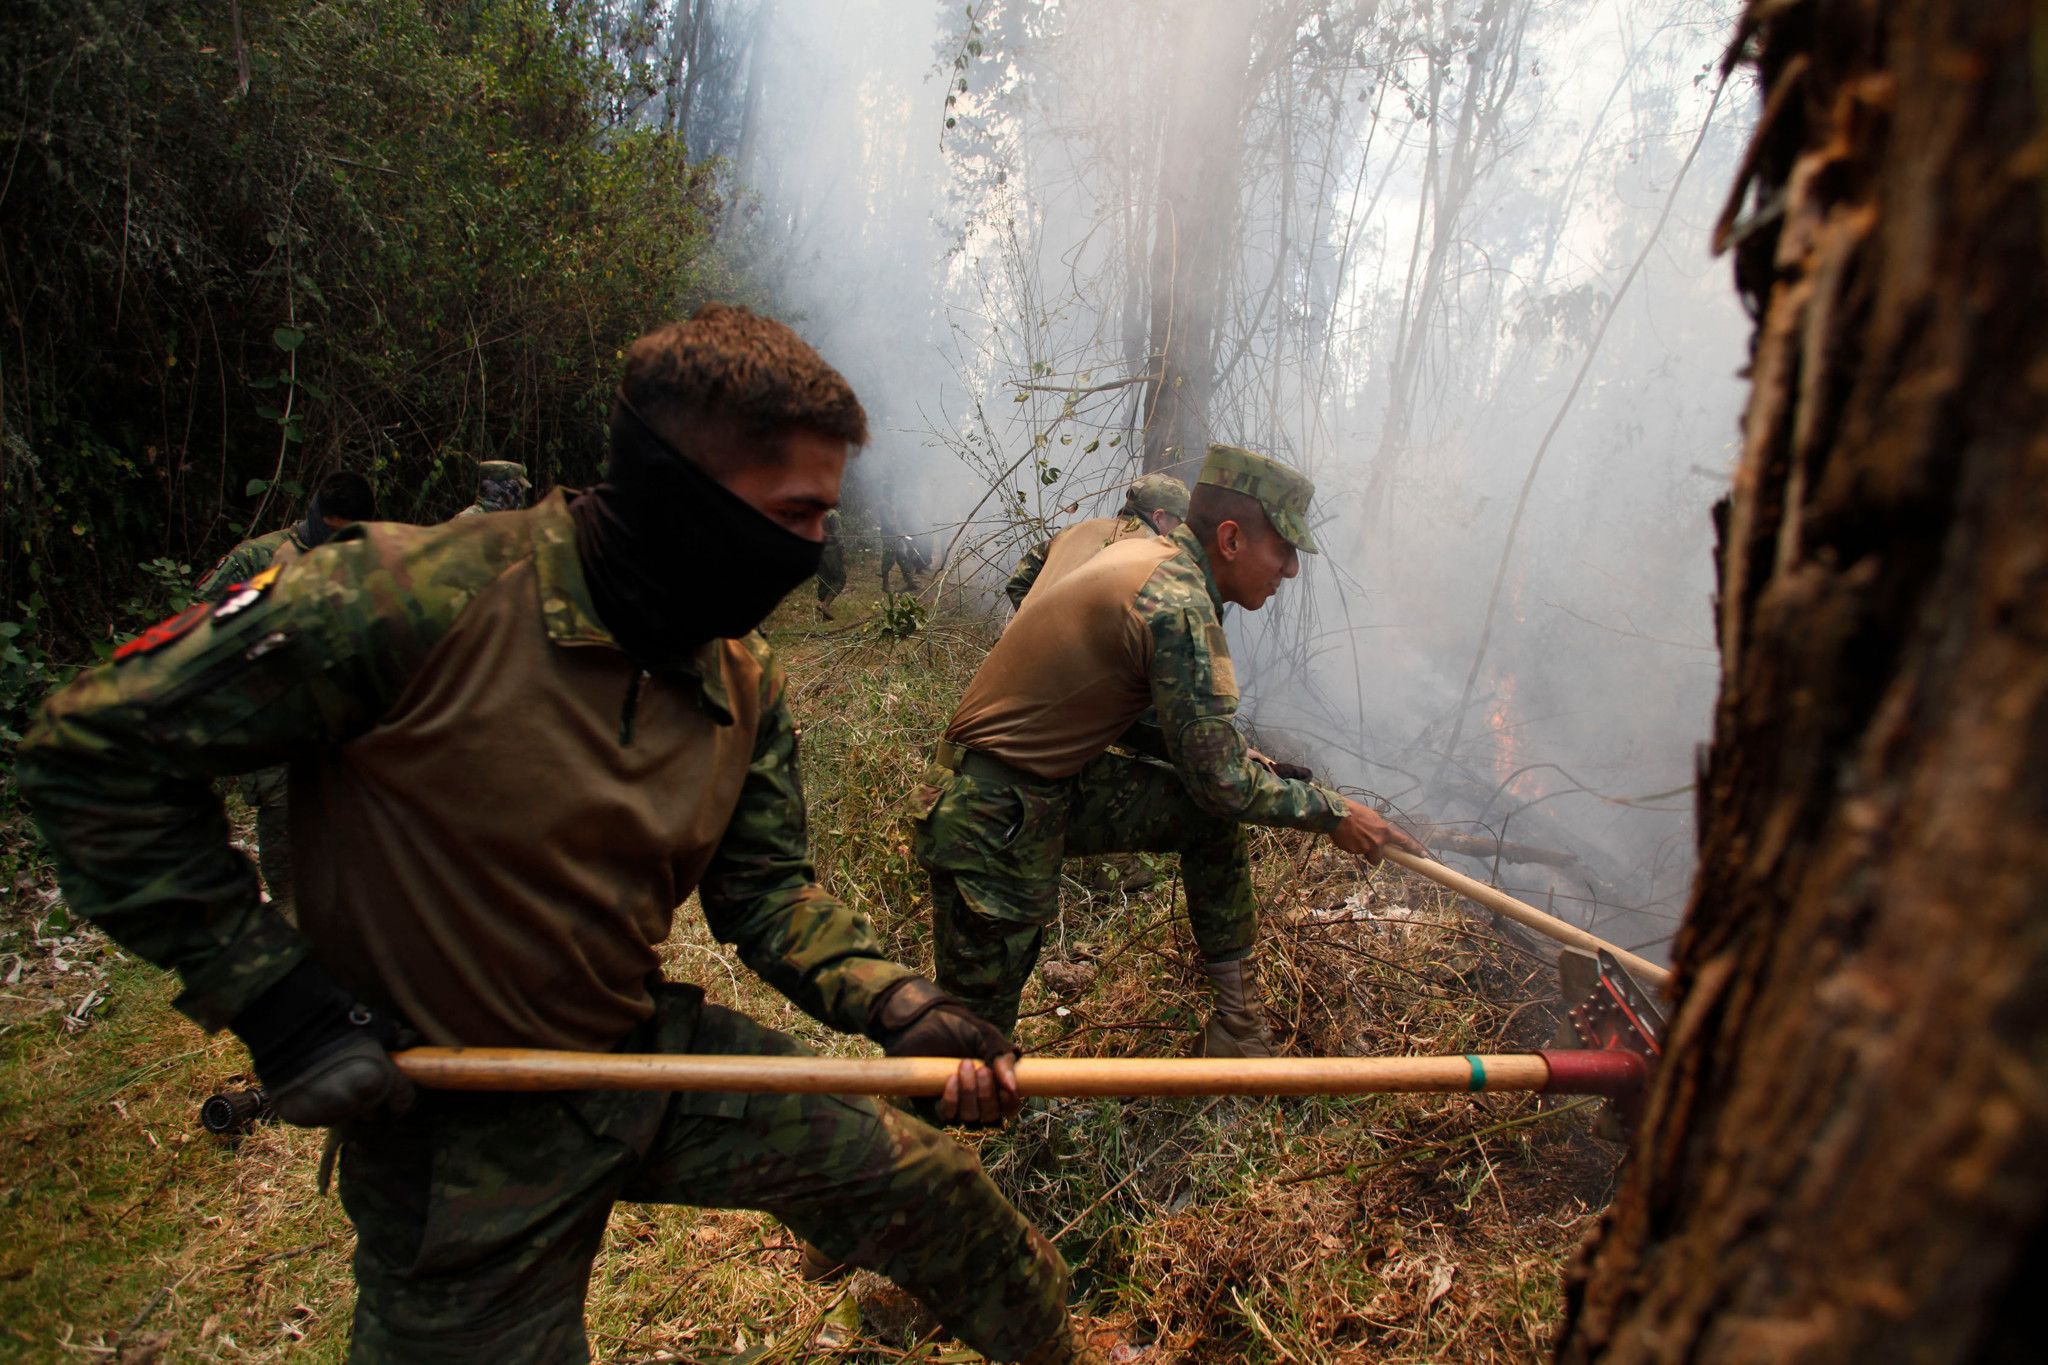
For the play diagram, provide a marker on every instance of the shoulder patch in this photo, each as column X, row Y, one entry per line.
column 163, row 632
column 243, row 595
column 1220, row 666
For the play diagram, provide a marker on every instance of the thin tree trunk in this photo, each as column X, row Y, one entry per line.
column 1842, row 1159
column 1194, row 231
column 1492, row 70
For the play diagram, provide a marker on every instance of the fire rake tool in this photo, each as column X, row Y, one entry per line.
column 1615, row 1023
column 1521, row 912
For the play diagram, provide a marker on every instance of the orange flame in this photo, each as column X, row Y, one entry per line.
column 1507, row 746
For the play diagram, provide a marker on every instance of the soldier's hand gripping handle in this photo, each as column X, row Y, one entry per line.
column 914, row 1018
column 323, row 1058
column 1366, row 833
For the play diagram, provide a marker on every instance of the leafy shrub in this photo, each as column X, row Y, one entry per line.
column 245, row 245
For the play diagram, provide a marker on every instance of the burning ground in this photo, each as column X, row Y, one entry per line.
column 1416, row 1228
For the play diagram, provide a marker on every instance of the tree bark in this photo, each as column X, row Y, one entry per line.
column 1845, row 1156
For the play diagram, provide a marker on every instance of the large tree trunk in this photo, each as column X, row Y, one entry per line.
column 1846, row 1155
column 1194, row 244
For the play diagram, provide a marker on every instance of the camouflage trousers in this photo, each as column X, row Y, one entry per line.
column 993, row 847
column 477, row 1216
column 264, row 792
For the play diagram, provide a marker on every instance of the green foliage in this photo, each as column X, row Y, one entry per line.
column 248, row 245
column 27, row 671
column 902, row 616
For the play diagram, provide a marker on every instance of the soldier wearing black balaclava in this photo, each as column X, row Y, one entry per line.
column 519, row 743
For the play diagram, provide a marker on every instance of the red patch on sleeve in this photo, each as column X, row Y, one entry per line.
column 163, row 632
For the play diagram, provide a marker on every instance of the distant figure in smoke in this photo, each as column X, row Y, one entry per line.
column 501, row 486
column 1153, row 506
column 831, row 566
column 1025, row 776
column 911, row 554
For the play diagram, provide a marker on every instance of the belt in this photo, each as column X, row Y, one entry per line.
column 987, row 767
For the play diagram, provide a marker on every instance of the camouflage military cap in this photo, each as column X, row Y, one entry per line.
column 502, row 469
column 1156, row 493
column 1284, row 493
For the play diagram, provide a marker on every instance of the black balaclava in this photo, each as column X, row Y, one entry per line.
column 314, row 530
column 341, row 495
column 672, row 556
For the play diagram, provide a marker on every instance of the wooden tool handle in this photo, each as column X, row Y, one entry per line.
column 1523, row 913
column 483, row 1068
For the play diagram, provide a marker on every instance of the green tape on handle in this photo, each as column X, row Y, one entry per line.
column 1478, row 1081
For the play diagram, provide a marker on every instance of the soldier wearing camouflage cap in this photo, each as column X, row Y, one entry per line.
column 518, row 744
column 1153, row 506
column 1026, row 775
column 501, row 486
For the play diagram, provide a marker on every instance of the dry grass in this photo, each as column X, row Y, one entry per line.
column 1417, row 1228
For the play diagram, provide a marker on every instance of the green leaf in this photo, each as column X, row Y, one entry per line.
column 1092, row 446
column 287, row 338
column 269, row 413
column 255, row 486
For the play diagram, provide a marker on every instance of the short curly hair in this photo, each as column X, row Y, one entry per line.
column 730, row 362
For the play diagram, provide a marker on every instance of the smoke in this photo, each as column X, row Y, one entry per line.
column 1054, row 243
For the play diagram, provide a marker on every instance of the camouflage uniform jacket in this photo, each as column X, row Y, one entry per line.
column 1074, row 545
column 1140, row 624
column 246, row 560
column 467, row 660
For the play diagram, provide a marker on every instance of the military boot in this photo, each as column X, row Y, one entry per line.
column 1237, row 1028
column 1067, row 1346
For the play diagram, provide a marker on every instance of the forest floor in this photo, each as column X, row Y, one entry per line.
column 1393, row 1228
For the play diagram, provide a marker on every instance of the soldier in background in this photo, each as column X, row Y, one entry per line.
column 1154, row 505
column 831, row 566
column 1026, row 777
column 905, row 552
column 343, row 499
column 519, row 742
column 501, row 486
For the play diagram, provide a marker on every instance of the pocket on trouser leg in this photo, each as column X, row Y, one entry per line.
column 992, row 829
